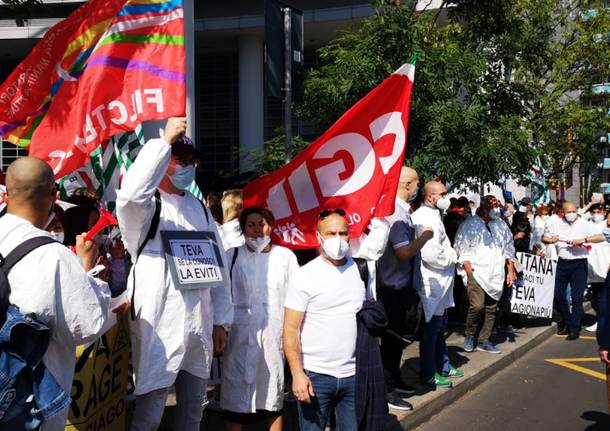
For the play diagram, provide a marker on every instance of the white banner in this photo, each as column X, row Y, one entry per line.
column 533, row 294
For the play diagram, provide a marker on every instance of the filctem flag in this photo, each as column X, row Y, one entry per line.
column 106, row 68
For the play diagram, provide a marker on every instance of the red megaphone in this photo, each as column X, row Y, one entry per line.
column 106, row 219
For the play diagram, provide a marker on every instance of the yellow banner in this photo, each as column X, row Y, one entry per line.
column 99, row 388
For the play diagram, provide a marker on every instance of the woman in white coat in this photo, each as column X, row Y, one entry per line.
column 253, row 365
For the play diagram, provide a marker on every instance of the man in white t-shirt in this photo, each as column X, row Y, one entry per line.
column 570, row 234
column 320, row 329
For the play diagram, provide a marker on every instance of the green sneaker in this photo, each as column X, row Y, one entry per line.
column 454, row 373
column 438, row 381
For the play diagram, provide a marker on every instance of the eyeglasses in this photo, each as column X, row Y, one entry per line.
column 326, row 213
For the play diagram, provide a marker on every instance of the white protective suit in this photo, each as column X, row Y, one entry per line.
column 599, row 257
column 173, row 329
column 51, row 282
column 253, row 365
column 486, row 248
column 435, row 265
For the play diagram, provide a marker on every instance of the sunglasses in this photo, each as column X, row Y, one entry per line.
column 326, row 213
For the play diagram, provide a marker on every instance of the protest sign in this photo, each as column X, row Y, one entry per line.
column 533, row 294
column 99, row 388
column 194, row 259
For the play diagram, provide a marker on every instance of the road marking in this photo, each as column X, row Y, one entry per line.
column 582, row 337
column 569, row 363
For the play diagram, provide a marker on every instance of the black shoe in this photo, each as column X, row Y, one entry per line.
column 573, row 336
column 403, row 389
column 561, row 330
column 397, row 402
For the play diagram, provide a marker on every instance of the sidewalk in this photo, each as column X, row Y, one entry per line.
column 477, row 367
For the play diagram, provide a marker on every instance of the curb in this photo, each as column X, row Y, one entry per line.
column 426, row 411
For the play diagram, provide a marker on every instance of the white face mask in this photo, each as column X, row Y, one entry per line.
column 334, row 248
column 544, row 217
column 443, row 203
column 57, row 236
column 598, row 218
column 571, row 217
column 258, row 244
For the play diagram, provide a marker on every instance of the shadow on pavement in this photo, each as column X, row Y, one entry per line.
column 601, row 421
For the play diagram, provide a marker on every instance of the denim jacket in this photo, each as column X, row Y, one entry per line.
column 29, row 393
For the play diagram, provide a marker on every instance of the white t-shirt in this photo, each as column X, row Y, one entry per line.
column 329, row 296
column 578, row 230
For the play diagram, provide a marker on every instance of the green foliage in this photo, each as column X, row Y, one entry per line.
column 497, row 82
column 273, row 156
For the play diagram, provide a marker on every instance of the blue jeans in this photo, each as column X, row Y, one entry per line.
column 433, row 354
column 573, row 272
column 331, row 392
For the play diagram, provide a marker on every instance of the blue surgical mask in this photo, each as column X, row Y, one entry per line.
column 414, row 195
column 183, row 177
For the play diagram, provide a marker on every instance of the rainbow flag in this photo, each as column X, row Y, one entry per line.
column 100, row 72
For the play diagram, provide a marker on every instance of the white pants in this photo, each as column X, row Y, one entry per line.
column 190, row 399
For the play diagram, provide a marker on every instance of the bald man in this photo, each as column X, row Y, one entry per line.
column 433, row 279
column 569, row 234
column 320, row 329
column 51, row 281
column 394, row 284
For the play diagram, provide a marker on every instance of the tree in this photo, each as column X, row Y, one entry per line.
column 492, row 85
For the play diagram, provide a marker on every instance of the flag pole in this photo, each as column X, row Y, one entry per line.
column 288, row 82
column 189, row 48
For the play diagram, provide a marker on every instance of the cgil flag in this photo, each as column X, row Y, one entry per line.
column 100, row 72
column 355, row 165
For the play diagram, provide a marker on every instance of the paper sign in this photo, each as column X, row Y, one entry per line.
column 533, row 294
column 194, row 259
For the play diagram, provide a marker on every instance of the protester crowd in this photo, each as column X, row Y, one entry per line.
column 339, row 320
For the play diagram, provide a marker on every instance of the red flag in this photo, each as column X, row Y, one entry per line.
column 354, row 166
column 106, row 68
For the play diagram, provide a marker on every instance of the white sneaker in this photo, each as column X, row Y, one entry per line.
column 592, row 328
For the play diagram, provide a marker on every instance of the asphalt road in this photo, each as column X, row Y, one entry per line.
column 535, row 394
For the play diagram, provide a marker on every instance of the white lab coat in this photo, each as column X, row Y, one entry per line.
column 537, row 233
column 435, row 264
column 51, row 282
column 599, row 257
column 173, row 329
column 487, row 250
column 371, row 247
column 253, row 366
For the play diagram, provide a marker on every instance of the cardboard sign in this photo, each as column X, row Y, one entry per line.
column 99, row 388
column 533, row 294
column 194, row 259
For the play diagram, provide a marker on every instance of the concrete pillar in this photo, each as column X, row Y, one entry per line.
column 251, row 99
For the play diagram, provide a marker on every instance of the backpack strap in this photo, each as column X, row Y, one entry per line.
column 19, row 252
column 363, row 269
column 205, row 211
column 7, row 263
column 152, row 232
column 233, row 260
